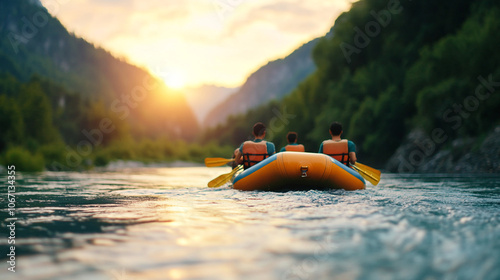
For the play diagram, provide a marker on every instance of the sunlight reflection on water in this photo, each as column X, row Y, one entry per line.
column 164, row 223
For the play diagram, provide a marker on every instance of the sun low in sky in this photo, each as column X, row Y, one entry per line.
column 194, row 42
column 175, row 79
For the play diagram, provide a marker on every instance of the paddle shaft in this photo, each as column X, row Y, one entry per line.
column 224, row 178
column 214, row 162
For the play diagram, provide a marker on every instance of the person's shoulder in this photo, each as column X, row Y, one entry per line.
column 351, row 146
column 270, row 147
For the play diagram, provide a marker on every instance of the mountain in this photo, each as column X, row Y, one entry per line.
column 414, row 83
column 204, row 98
column 36, row 2
column 33, row 43
column 272, row 81
column 66, row 104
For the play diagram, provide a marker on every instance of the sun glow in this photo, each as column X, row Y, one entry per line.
column 175, row 81
column 210, row 42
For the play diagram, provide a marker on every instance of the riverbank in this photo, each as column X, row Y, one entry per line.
column 131, row 153
column 121, row 164
column 421, row 154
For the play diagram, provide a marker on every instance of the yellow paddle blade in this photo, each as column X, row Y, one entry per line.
column 367, row 173
column 367, row 168
column 224, row 178
column 213, row 162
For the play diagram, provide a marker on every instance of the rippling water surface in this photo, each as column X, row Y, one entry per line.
column 164, row 223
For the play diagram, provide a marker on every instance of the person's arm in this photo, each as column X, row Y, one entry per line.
column 352, row 152
column 352, row 157
column 238, row 158
column 271, row 150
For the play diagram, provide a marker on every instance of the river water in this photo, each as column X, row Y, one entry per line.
column 164, row 223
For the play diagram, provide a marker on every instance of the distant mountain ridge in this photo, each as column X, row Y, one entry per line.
column 272, row 81
column 204, row 98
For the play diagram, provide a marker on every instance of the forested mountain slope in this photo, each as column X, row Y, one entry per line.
column 57, row 90
column 35, row 43
column 390, row 68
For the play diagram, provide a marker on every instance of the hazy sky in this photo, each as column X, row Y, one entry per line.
column 199, row 41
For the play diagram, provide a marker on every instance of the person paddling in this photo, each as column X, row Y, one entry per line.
column 340, row 149
column 254, row 151
column 292, row 143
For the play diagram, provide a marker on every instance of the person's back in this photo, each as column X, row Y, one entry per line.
column 292, row 144
column 342, row 150
column 338, row 149
column 254, row 151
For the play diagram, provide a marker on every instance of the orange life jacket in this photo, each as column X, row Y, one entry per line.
column 295, row 148
column 253, row 153
column 339, row 150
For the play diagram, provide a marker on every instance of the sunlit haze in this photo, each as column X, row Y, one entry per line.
column 175, row 80
column 193, row 42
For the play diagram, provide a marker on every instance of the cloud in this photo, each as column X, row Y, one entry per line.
column 291, row 16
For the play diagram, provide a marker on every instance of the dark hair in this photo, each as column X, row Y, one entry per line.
column 291, row 137
column 336, row 128
column 259, row 129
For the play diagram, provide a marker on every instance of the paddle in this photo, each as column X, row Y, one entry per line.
column 372, row 175
column 224, row 178
column 213, row 162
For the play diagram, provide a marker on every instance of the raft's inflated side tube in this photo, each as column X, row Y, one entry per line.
column 296, row 170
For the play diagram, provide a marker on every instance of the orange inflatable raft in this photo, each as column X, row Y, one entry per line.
column 298, row 171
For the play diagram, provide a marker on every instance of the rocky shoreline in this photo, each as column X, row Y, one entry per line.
column 420, row 154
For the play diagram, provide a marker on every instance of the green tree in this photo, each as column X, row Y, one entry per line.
column 37, row 115
column 11, row 122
